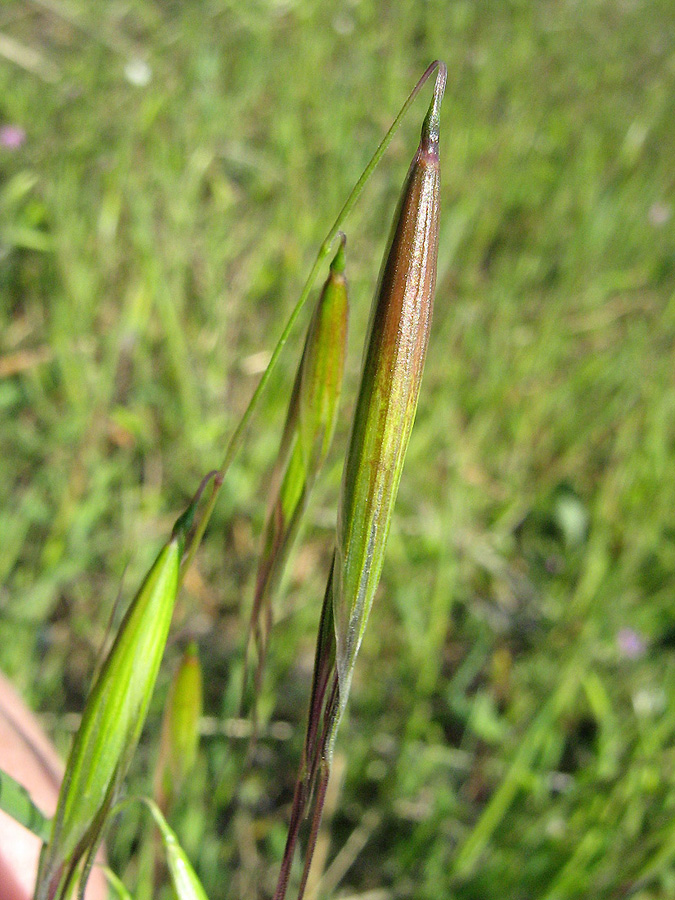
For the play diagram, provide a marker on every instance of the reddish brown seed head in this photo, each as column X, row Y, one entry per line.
column 387, row 401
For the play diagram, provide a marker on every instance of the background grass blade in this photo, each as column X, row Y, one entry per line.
column 117, row 885
column 185, row 881
column 16, row 802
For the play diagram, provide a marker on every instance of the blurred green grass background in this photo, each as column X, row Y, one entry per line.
column 512, row 719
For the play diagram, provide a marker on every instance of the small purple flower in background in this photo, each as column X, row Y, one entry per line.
column 631, row 644
column 12, row 136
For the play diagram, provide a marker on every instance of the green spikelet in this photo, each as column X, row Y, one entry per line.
column 307, row 435
column 180, row 728
column 112, row 722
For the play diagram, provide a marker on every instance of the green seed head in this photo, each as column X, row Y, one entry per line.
column 113, row 718
column 180, row 727
column 308, row 432
column 323, row 364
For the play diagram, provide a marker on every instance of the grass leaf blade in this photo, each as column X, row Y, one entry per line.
column 17, row 803
column 116, row 885
column 185, row 881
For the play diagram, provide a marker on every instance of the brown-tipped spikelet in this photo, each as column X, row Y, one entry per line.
column 385, row 410
column 387, row 400
column 307, row 435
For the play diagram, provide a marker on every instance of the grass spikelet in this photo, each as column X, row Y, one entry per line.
column 387, row 399
column 180, row 728
column 390, row 383
column 112, row 722
column 306, row 439
column 17, row 803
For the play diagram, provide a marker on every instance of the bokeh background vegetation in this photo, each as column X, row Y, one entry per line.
column 512, row 721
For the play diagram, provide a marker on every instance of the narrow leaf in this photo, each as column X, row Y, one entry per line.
column 185, row 881
column 16, row 802
column 117, row 886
